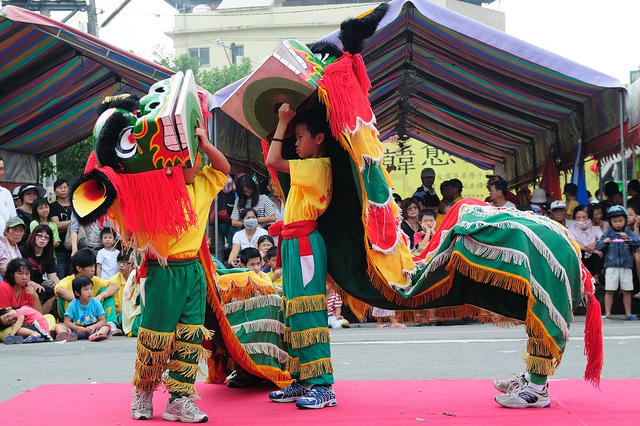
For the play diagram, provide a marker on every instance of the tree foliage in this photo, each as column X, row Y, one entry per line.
column 71, row 161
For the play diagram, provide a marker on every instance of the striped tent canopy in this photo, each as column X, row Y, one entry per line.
column 52, row 76
column 482, row 95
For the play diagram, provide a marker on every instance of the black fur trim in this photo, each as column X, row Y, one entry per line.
column 130, row 103
column 102, row 209
column 325, row 47
column 354, row 32
column 109, row 138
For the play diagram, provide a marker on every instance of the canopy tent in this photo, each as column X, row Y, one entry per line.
column 52, row 76
column 633, row 137
column 482, row 95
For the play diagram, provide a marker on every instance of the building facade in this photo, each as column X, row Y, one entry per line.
column 225, row 31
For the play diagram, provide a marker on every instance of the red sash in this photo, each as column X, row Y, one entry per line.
column 299, row 230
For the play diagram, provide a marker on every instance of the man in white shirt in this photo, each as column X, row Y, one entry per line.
column 559, row 213
column 7, row 208
column 498, row 193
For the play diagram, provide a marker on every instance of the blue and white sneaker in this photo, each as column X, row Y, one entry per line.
column 291, row 393
column 318, row 397
column 524, row 396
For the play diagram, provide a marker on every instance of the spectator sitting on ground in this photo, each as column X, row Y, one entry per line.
column 274, row 272
column 334, row 310
column 84, row 264
column 38, row 250
column 13, row 232
column 125, row 266
column 427, row 221
column 17, row 289
column 250, row 258
column 85, row 316
column 131, row 308
column 27, row 325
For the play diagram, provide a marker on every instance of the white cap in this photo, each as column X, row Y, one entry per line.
column 558, row 204
column 500, row 173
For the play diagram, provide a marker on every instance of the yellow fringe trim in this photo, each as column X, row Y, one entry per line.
column 305, row 304
column 149, row 372
column 185, row 369
column 145, row 385
column 185, row 350
column 302, row 339
column 242, row 286
column 535, row 329
column 538, row 347
column 174, row 386
column 537, row 365
column 310, row 369
column 189, row 332
column 155, row 339
column 151, row 357
column 483, row 274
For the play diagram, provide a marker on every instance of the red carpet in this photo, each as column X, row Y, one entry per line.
column 573, row 402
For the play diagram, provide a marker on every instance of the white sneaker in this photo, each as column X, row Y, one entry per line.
column 524, row 396
column 142, row 405
column 184, row 410
column 505, row 386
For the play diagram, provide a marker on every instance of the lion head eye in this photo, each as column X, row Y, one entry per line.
column 126, row 147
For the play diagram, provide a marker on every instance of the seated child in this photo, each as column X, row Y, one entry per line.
column 275, row 273
column 265, row 242
column 427, row 221
column 84, row 318
column 334, row 310
column 83, row 264
column 27, row 325
column 250, row 258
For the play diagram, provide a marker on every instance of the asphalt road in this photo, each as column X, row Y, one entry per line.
column 364, row 352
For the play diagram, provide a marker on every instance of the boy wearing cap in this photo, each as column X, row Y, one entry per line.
column 501, row 175
column 559, row 213
column 7, row 209
column 618, row 245
column 428, row 176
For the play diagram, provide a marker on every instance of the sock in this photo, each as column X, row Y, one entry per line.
column 533, row 386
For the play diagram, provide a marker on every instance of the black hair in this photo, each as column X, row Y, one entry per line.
column 418, row 200
column 501, row 186
column 107, row 230
column 635, row 185
column 40, row 201
column 263, row 238
column 60, row 182
column 83, row 258
column 248, row 254
column 245, row 181
column 580, row 208
column 244, row 212
column 78, row 284
column 272, row 252
column 396, row 197
column 431, row 200
column 315, row 121
column 426, row 212
column 596, row 206
column 405, row 205
column 47, row 250
column 14, row 266
column 124, row 254
column 610, row 188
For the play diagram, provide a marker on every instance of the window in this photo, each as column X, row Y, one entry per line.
column 202, row 53
column 239, row 50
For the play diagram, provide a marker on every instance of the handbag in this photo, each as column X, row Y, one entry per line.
column 82, row 238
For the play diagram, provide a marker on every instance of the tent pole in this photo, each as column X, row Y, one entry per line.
column 622, row 156
column 215, row 200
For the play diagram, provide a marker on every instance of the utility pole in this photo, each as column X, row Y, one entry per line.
column 92, row 24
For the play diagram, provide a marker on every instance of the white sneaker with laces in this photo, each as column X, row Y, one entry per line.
column 184, row 410
column 142, row 405
column 524, row 396
column 505, row 385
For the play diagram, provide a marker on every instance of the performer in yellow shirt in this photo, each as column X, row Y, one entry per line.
column 304, row 260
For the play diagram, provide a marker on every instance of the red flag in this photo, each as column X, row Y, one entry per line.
column 551, row 178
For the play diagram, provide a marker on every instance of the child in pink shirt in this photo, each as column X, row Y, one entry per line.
column 28, row 325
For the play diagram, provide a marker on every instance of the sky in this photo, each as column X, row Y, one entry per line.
column 599, row 34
